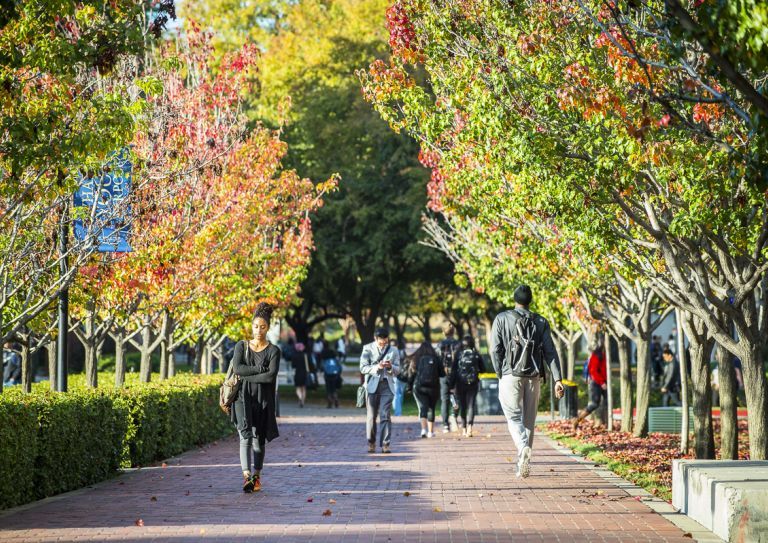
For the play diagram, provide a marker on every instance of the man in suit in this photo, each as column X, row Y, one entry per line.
column 380, row 364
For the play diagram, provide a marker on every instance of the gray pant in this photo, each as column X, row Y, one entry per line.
column 519, row 397
column 379, row 405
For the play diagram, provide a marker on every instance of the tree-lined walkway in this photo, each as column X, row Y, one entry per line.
column 321, row 485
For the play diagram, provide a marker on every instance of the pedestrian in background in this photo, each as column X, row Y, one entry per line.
column 670, row 387
column 425, row 382
column 597, row 383
column 465, row 381
column 446, row 351
column 302, row 367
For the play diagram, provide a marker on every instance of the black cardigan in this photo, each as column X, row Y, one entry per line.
column 255, row 403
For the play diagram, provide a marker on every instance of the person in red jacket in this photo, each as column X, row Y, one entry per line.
column 598, row 388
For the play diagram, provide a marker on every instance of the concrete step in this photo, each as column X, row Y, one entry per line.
column 730, row 497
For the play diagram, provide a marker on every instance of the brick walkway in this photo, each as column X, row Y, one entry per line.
column 320, row 485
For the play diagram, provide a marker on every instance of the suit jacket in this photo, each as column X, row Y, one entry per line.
column 370, row 368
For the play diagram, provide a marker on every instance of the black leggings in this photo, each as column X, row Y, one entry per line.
column 465, row 395
column 427, row 400
column 251, row 442
column 596, row 396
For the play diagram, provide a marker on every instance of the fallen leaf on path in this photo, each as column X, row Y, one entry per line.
column 480, row 495
column 310, row 500
column 406, row 493
column 187, row 475
column 331, row 501
column 551, row 469
column 327, row 513
column 437, row 510
column 139, row 522
column 187, row 494
column 688, row 534
column 153, row 499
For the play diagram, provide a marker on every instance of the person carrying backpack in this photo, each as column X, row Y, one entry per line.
column 521, row 345
column 446, row 351
column 425, row 382
column 465, row 380
column 332, row 375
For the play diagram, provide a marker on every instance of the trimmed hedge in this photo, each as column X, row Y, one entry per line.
column 54, row 442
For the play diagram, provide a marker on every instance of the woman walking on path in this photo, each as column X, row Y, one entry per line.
column 598, row 388
column 465, row 380
column 302, row 366
column 256, row 362
column 425, row 381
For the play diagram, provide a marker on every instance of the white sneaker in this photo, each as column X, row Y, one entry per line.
column 423, row 433
column 430, row 435
column 446, row 429
column 524, row 464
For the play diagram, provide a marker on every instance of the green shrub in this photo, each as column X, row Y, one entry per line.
column 57, row 442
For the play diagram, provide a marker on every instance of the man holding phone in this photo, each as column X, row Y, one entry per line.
column 380, row 364
column 521, row 347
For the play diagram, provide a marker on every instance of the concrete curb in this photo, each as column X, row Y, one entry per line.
column 698, row 532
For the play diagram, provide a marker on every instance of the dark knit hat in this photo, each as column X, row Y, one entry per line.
column 523, row 295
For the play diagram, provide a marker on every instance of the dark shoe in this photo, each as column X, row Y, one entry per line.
column 336, row 403
column 385, row 449
column 371, row 448
column 256, row 479
column 247, row 483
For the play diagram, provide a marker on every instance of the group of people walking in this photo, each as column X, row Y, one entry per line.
column 522, row 351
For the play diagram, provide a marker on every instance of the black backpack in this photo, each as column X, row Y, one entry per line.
column 427, row 372
column 466, row 368
column 448, row 350
column 526, row 346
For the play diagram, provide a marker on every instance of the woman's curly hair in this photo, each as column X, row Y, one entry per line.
column 264, row 311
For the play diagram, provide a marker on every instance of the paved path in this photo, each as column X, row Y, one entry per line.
column 320, row 485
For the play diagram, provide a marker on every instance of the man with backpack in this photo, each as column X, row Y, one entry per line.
column 521, row 345
column 446, row 351
column 465, row 380
column 332, row 375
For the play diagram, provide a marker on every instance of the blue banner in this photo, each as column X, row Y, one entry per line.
column 107, row 193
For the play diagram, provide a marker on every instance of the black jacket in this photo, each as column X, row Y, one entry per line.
column 419, row 365
column 502, row 343
column 446, row 351
column 477, row 361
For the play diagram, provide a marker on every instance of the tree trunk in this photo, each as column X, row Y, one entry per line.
column 681, row 360
column 171, row 363
column 426, row 329
column 572, row 348
column 91, row 364
column 701, row 379
column 120, row 341
column 625, row 375
column 164, row 359
column 729, row 429
column 26, row 367
column 50, row 349
column 757, row 402
column 145, row 369
column 643, row 387
column 197, row 364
